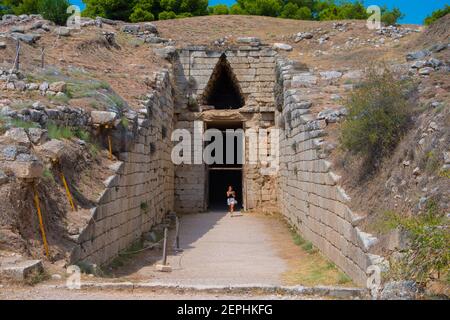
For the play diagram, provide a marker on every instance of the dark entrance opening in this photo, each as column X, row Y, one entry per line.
column 222, row 175
column 223, row 91
column 219, row 180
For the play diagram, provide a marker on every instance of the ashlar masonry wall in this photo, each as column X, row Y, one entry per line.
column 254, row 69
column 142, row 190
column 309, row 193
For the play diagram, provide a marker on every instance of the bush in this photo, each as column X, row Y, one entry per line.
column 390, row 18
column 292, row 11
column 437, row 15
column 378, row 117
column 54, row 10
column 428, row 255
column 166, row 15
column 140, row 15
column 220, row 9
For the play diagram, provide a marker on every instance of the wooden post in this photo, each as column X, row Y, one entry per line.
column 42, row 57
column 17, row 59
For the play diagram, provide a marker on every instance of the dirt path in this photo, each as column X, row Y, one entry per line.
column 221, row 250
column 218, row 250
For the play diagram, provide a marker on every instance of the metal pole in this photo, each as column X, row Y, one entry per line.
column 165, row 248
column 178, row 233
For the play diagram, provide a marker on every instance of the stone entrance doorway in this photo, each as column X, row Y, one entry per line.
column 229, row 169
column 219, row 180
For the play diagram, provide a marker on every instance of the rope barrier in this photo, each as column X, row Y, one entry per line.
column 41, row 223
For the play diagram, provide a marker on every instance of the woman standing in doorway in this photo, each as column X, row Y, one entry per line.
column 231, row 199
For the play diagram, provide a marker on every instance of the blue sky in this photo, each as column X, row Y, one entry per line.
column 415, row 10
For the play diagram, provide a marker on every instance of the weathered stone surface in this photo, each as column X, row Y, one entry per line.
column 103, row 117
column 248, row 40
column 59, row 86
column 62, row 31
column 3, row 177
column 150, row 27
column 19, row 271
column 29, row 38
column 2, row 45
column 19, row 135
column 330, row 75
column 426, row 71
column 131, row 28
column 166, row 52
column 44, row 86
column 53, row 149
column 399, row 290
column 417, row 55
column 282, row 46
column 37, row 135
column 26, row 167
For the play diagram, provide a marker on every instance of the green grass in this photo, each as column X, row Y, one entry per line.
column 298, row 240
column 125, row 256
column 36, row 277
column 59, row 132
column 125, row 122
column 94, row 149
column 343, row 278
column 82, row 134
column 23, row 124
column 48, row 175
column 309, row 247
column 62, row 99
column 432, row 162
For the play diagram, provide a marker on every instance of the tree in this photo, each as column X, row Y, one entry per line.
column 219, row 9
column 111, row 9
column 166, row 15
column 141, row 15
column 390, row 17
column 237, row 9
column 292, row 11
column 54, row 10
column 437, row 15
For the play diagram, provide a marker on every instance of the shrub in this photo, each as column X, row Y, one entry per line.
column 378, row 116
column 220, row 9
column 428, row 256
column 292, row 11
column 141, row 15
column 391, row 17
column 437, row 15
column 54, row 10
column 166, row 15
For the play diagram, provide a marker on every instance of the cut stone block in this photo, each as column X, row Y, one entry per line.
column 21, row 270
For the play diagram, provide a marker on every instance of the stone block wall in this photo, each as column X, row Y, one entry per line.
column 141, row 192
column 190, row 179
column 254, row 68
column 309, row 193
